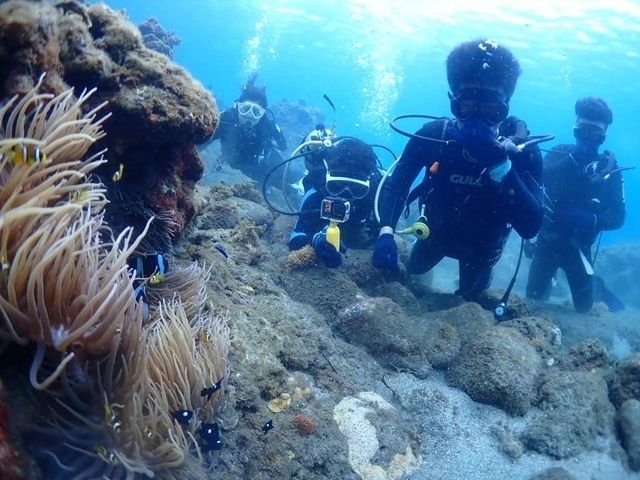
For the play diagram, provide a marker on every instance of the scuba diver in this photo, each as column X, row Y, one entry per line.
column 586, row 192
column 478, row 184
column 249, row 136
column 337, row 212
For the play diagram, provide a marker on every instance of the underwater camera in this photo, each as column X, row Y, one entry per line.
column 335, row 209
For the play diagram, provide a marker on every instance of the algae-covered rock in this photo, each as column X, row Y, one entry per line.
column 624, row 382
column 575, row 412
column 159, row 112
column 629, row 424
column 499, row 367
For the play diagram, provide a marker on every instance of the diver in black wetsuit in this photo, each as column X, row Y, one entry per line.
column 249, row 136
column 585, row 189
column 477, row 184
column 350, row 174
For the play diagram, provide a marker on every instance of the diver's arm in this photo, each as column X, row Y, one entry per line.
column 393, row 195
column 309, row 221
column 612, row 209
column 523, row 187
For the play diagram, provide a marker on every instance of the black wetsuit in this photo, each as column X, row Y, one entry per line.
column 469, row 215
column 569, row 186
column 359, row 231
column 250, row 149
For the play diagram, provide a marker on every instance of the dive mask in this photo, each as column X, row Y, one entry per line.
column 250, row 111
column 589, row 134
column 488, row 105
column 346, row 186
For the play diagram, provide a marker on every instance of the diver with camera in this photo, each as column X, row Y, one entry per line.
column 337, row 213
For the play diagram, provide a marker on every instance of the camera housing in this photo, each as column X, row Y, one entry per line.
column 335, row 209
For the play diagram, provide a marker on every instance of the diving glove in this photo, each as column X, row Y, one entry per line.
column 325, row 251
column 385, row 252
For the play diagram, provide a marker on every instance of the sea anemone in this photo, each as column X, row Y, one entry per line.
column 64, row 282
column 110, row 382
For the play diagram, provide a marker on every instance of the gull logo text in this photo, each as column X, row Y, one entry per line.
column 465, row 180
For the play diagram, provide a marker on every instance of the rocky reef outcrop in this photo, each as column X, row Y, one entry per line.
column 159, row 112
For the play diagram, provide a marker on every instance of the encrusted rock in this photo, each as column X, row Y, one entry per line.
column 498, row 367
column 624, row 382
column 382, row 328
column 629, row 425
column 586, row 355
column 575, row 412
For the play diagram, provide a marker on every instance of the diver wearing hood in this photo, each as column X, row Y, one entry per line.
column 350, row 177
column 586, row 194
column 478, row 184
column 249, row 136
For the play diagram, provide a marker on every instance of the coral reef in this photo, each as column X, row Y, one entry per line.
column 159, row 112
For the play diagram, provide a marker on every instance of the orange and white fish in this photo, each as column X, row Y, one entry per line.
column 21, row 154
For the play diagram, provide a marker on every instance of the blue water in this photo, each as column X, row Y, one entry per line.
column 380, row 59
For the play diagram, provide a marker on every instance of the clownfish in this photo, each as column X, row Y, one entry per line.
column 21, row 154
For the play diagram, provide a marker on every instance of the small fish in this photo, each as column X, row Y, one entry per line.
column 208, row 391
column 79, row 196
column 117, row 175
column 156, row 278
column 109, row 414
column 205, row 337
column 267, row 426
column 4, row 263
column 210, row 435
column 21, row 154
column 183, row 417
column 105, row 455
column 160, row 267
column 221, row 249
